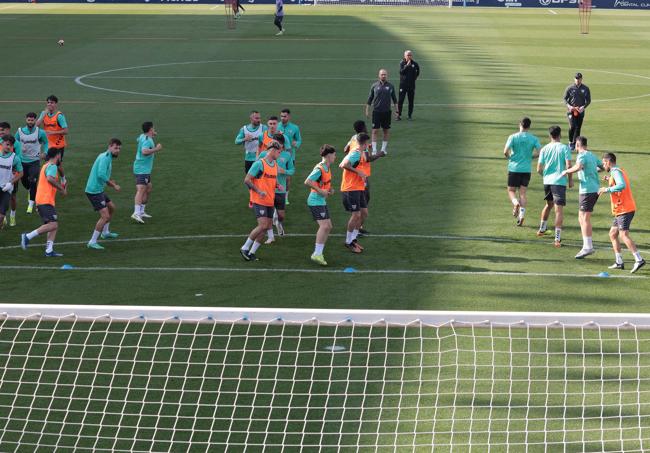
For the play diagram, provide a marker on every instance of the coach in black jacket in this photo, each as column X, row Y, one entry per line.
column 409, row 71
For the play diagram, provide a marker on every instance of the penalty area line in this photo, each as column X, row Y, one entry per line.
column 318, row 271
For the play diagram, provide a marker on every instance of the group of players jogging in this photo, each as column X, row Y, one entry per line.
column 269, row 162
column 34, row 156
column 555, row 165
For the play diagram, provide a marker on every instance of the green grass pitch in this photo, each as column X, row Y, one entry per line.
column 482, row 69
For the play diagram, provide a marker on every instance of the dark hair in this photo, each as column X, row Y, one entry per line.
column 362, row 138
column 278, row 137
column 31, row 115
column 582, row 140
column 5, row 125
column 274, row 145
column 254, row 111
column 359, row 126
column 525, row 122
column 326, row 149
column 555, row 131
column 9, row 138
column 53, row 152
column 285, row 111
column 52, row 98
column 115, row 141
column 147, row 126
column 273, row 118
column 610, row 157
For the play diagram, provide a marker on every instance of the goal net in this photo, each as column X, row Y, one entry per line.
column 145, row 379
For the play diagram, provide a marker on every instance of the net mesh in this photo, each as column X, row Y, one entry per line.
column 140, row 386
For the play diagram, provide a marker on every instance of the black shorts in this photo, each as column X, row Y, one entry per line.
column 5, row 197
column 247, row 165
column 354, row 200
column 263, row 211
column 516, row 179
column 319, row 212
column 381, row 120
column 31, row 172
column 623, row 221
column 556, row 194
column 98, row 200
column 47, row 213
column 142, row 180
column 280, row 201
column 588, row 201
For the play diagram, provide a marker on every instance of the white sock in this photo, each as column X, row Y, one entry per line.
column 49, row 246
column 348, row 237
column 142, row 209
column 587, row 242
column 269, row 233
column 514, row 201
column 95, row 236
column 374, row 147
column 136, row 209
column 247, row 245
column 318, row 249
column 637, row 256
column 32, row 235
column 255, row 246
column 12, row 213
column 31, row 203
column 384, row 145
column 543, row 225
column 619, row 258
column 558, row 234
column 355, row 233
column 522, row 212
column 106, row 229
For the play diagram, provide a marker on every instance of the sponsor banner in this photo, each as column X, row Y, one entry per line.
column 602, row 4
column 170, row 2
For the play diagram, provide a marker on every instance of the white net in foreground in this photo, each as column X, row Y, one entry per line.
column 138, row 379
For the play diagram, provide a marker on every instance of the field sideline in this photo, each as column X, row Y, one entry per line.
column 443, row 236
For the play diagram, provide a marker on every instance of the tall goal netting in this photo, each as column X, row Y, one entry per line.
column 138, row 379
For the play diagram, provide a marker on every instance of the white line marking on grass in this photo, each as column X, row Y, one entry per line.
column 316, row 271
column 551, row 11
column 215, row 7
column 79, row 81
column 444, row 237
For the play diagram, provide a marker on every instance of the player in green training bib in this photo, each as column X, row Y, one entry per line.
column 5, row 129
column 142, row 167
column 586, row 166
column 293, row 139
column 554, row 158
column 520, row 150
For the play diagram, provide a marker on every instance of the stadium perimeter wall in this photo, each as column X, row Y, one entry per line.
column 601, row 4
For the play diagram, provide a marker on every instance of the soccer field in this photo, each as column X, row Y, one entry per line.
column 442, row 232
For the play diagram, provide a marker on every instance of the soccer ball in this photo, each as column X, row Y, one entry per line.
column 61, row 42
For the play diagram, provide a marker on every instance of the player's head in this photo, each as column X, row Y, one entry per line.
column 272, row 123
column 328, row 153
column 383, row 75
column 525, row 123
column 278, row 137
column 114, row 146
column 408, row 55
column 609, row 160
column 8, row 141
column 581, row 142
column 255, row 118
column 5, row 128
column 273, row 150
column 147, row 128
column 360, row 126
column 30, row 119
column 578, row 78
column 51, row 102
column 54, row 155
column 555, row 132
column 363, row 139
column 285, row 116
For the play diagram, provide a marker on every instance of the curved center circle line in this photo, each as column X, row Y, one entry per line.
column 79, row 81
